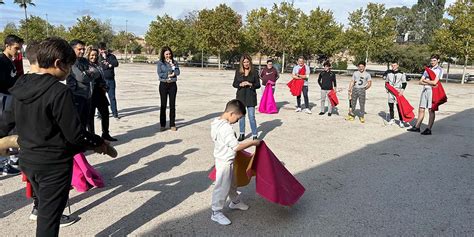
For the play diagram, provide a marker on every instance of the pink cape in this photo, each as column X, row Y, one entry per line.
column 333, row 98
column 84, row 176
column 267, row 103
column 273, row 181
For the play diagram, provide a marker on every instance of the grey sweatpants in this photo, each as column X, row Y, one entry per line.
column 358, row 94
column 324, row 95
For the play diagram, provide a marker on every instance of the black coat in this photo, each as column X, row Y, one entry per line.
column 248, row 94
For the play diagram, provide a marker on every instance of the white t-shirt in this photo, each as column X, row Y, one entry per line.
column 225, row 141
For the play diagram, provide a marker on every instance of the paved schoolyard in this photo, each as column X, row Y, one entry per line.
column 360, row 179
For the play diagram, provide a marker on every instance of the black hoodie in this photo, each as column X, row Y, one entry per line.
column 48, row 126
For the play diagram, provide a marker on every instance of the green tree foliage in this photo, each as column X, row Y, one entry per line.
column 91, row 31
column 24, row 4
column 370, row 31
column 121, row 40
column 429, row 16
column 219, row 29
column 404, row 19
column 166, row 31
column 36, row 27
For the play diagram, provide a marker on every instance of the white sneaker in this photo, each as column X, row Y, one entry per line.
column 402, row 124
column 220, row 218
column 298, row 110
column 238, row 206
column 307, row 111
column 391, row 122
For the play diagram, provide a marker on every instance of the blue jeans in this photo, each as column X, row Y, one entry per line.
column 253, row 123
column 111, row 93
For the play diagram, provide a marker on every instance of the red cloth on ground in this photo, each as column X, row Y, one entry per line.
column 333, row 98
column 296, row 85
column 84, row 176
column 267, row 103
column 439, row 95
column 403, row 105
column 273, row 181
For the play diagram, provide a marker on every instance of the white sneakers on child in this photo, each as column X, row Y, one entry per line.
column 298, row 110
column 220, row 218
column 391, row 122
column 308, row 111
column 238, row 206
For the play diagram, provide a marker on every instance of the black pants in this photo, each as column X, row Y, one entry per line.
column 390, row 107
column 306, row 99
column 99, row 101
column 168, row 89
column 82, row 106
column 51, row 188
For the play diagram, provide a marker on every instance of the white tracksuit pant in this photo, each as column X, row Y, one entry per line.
column 224, row 185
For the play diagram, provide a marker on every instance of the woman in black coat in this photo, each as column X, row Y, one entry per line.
column 247, row 81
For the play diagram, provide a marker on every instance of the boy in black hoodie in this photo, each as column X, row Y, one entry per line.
column 49, row 131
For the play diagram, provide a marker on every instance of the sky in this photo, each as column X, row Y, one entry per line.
column 139, row 13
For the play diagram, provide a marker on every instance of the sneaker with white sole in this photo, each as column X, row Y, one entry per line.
column 34, row 214
column 220, row 218
column 298, row 110
column 67, row 220
column 308, row 111
column 238, row 206
column 391, row 122
column 402, row 124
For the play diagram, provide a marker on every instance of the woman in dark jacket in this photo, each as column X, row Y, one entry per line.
column 168, row 72
column 99, row 99
column 246, row 81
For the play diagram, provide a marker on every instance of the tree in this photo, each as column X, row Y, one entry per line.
column 456, row 36
column 370, row 31
column 60, row 31
column 429, row 16
column 24, row 4
column 106, row 33
column 86, row 29
column 36, row 27
column 166, row 31
column 219, row 29
column 252, row 32
column 278, row 30
column 121, row 40
column 404, row 20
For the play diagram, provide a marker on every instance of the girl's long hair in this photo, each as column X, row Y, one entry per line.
column 241, row 67
column 162, row 54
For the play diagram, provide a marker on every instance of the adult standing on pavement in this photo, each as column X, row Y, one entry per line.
column 269, row 74
column 168, row 72
column 109, row 62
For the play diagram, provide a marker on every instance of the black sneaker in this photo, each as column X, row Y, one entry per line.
column 241, row 137
column 321, row 113
column 329, row 114
column 34, row 214
column 414, row 129
column 67, row 220
column 426, row 132
column 108, row 137
column 254, row 138
column 9, row 170
column 116, row 117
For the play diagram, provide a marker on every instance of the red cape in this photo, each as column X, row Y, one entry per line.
column 333, row 98
column 403, row 105
column 267, row 103
column 18, row 62
column 273, row 181
column 296, row 85
column 439, row 95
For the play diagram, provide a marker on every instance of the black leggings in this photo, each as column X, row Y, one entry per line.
column 306, row 99
column 99, row 102
column 390, row 106
column 168, row 90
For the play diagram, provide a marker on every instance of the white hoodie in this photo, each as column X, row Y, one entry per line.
column 224, row 139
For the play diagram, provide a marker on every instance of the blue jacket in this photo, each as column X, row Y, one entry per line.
column 164, row 69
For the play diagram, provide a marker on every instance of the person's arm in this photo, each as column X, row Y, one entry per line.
column 369, row 82
column 244, row 145
column 435, row 81
column 308, row 71
column 231, row 141
column 277, row 75
column 334, row 81
column 112, row 60
column 351, row 84
column 237, row 80
column 7, row 122
column 256, row 84
column 176, row 69
column 82, row 72
column 320, row 79
column 162, row 74
column 295, row 73
column 65, row 115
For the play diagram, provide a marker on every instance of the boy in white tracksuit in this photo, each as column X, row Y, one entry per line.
column 225, row 147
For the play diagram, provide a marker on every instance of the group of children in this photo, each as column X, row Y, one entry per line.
column 226, row 143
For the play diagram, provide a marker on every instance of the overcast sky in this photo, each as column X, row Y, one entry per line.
column 140, row 13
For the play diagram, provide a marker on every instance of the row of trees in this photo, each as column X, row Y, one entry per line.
column 375, row 33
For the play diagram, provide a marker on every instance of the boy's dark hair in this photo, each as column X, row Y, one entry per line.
column 327, row 64
column 361, row 63
column 75, row 42
column 269, row 61
column 12, row 39
column 31, row 52
column 102, row 45
column 301, row 57
column 54, row 48
column 162, row 53
column 236, row 106
column 436, row 56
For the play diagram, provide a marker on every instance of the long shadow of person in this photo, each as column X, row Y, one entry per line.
column 198, row 120
column 110, row 169
column 268, row 126
column 171, row 192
